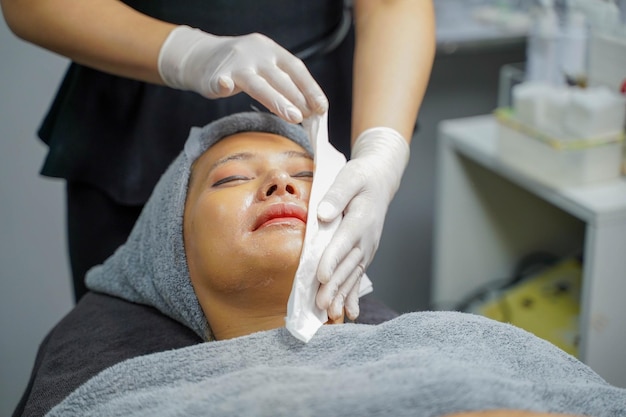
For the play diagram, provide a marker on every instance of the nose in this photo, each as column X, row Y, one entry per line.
column 278, row 183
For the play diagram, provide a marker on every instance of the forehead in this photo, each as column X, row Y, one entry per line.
column 261, row 144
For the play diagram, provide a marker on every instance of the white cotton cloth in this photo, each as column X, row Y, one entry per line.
column 304, row 317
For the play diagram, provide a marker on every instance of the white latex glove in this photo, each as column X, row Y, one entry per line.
column 222, row 66
column 362, row 190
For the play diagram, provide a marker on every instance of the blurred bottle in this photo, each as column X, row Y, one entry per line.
column 557, row 45
column 541, row 51
column 573, row 48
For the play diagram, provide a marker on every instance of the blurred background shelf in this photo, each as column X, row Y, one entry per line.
column 489, row 215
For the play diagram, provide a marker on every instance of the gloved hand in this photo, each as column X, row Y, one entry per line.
column 222, row 66
column 362, row 191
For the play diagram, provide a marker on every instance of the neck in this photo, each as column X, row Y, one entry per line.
column 228, row 323
column 247, row 325
column 231, row 317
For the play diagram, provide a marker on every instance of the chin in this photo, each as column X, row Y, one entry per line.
column 280, row 258
column 273, row 249
column 286, row 241
column 290, row 251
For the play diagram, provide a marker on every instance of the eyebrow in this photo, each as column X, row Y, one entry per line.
column 243, row 156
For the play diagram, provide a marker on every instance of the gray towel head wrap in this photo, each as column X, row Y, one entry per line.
column 151, row 267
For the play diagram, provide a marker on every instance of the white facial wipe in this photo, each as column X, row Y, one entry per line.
column 304, row 318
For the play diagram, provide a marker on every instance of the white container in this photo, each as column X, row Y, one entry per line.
column 594, row 112
column 607, row 60
column 569, row 112
column 541, row 105
column 557, row 163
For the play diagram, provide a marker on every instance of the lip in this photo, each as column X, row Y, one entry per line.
column 280, row 211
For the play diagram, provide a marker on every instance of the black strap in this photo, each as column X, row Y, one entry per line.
column 330, row 42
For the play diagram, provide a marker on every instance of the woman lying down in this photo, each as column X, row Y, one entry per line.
column 187, row 318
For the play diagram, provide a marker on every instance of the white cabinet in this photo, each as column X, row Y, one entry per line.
column 489, row 215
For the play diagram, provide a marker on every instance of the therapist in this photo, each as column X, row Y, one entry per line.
column 144, row 71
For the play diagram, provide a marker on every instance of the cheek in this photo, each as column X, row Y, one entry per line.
column 223, row 220
column 214, row 232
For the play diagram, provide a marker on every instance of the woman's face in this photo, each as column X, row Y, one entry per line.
column 245, row 214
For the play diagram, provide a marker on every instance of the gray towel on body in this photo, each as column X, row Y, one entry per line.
column 151, row 267
column 419, row 364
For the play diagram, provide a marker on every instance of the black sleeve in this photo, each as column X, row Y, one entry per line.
column 99, row 332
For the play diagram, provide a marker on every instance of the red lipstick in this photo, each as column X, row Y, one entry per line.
column 280, row 211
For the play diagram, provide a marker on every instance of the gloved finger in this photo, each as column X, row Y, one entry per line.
column 221, row 85
column 328, row 290
column 343, row 243
column 284, row 84
column 339, row 302
column 352, row 301
column 299, row 73
column 259, row 89
column 336, row 307
column 225, row 86
column 345, row 187
column 325, row 295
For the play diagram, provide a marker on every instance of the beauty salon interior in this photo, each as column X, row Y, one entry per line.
column 512, row 205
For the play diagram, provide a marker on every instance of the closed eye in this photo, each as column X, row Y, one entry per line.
column 303, row 174
column 230, row 178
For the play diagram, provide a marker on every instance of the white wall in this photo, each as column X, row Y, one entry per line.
column 35, row 287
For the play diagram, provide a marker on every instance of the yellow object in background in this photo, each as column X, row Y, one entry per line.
column 546, row 304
